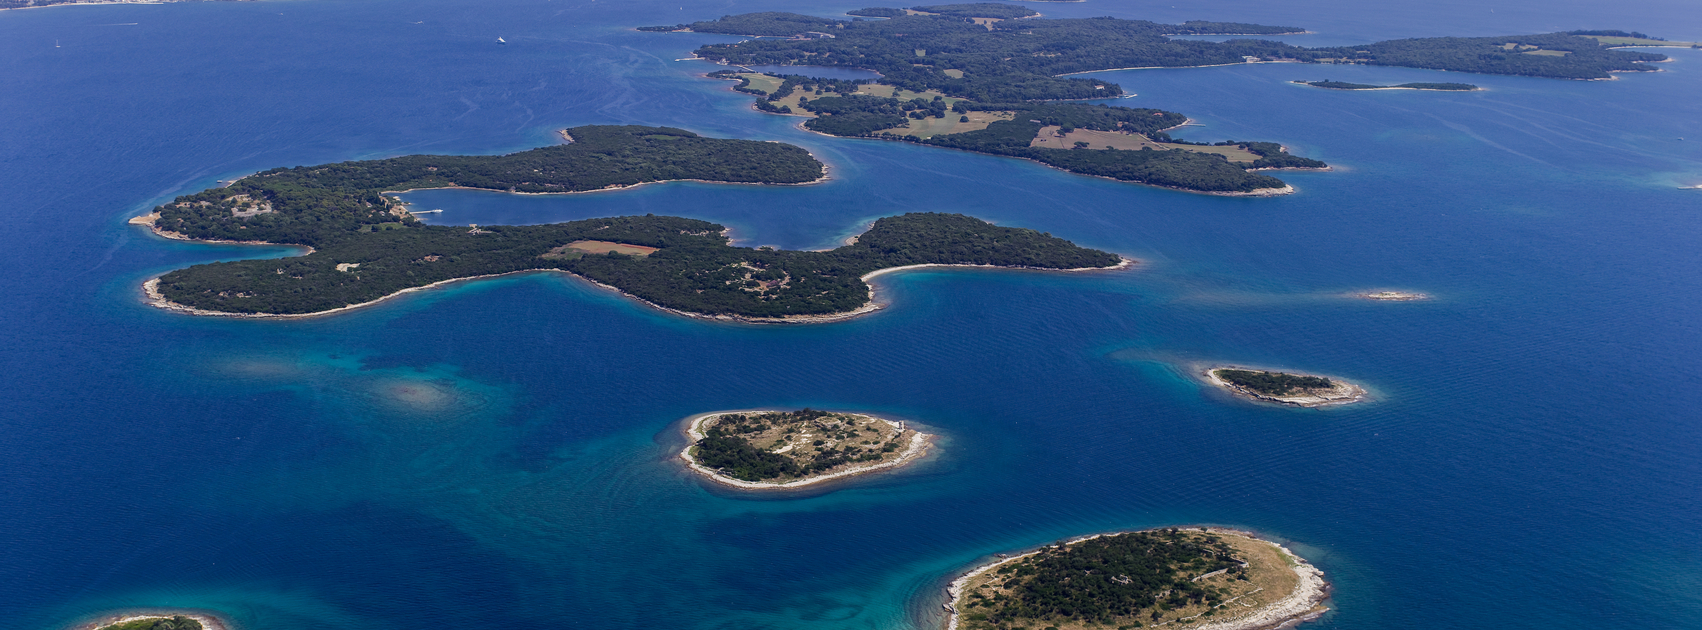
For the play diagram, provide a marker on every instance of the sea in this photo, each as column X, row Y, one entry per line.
column 501, row 453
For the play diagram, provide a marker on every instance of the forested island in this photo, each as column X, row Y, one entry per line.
column 790, row 449
column 992, row 58
column 1223, row 580
column 1290, row 389
column 176, row 621
column 1439, row 87
column 365, row 246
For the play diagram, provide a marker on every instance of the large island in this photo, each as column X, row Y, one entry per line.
column 981, row 77
column 1209, row 579
column 363, row 246
column 778, row 450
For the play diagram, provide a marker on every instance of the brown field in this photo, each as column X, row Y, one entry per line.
column 598, row 247
column 1270, row 578
column 1050, row 138
column 930, row 127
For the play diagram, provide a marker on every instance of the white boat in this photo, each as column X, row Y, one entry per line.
column 500, row 40
column 425, row 211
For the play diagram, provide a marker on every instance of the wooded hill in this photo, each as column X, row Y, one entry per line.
column 694, row 269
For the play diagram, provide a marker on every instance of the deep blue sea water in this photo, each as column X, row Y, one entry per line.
column 497, row 454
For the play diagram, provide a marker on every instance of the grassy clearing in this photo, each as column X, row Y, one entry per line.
column 1547, row 53
column 955, row 74
column 765, row 83
column 887, row 91
column 1269, row 576
column 952, row 123
column 598, row 247
column 1050, row 137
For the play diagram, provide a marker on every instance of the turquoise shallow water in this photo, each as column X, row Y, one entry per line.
column 497, row 454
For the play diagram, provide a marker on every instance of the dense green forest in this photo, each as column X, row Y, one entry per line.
column 175, row 622
column 1020, row 60
column 1442, row 87
column 1552, row 55
column 320, row 205
column 694, row 270
column 1273, row 383
column 1104, row 580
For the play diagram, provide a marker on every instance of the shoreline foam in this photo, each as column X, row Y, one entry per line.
column 917, row 447
column 1300, row 606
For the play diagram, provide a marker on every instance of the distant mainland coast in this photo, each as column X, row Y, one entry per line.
column 40, row 4
column 362, row 247
column 157, row 620
column 1207, row 578
column 1299, row 390
column 784, row 450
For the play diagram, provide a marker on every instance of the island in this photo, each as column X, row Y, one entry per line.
column 986, row 88
column 1437, row 87
column 779, row 450
column 363, row 246
column 1210, row 578
column 1299, row 390
column 991, row 78
column 158, row 621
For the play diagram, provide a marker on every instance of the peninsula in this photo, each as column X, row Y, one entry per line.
column 1435, row 87
column 778, row 450
column 363, row 246
column 1299, row 390
column 1210, row 579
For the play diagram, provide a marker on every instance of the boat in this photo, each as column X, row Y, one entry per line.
column 425, row 211
column 500, row 40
